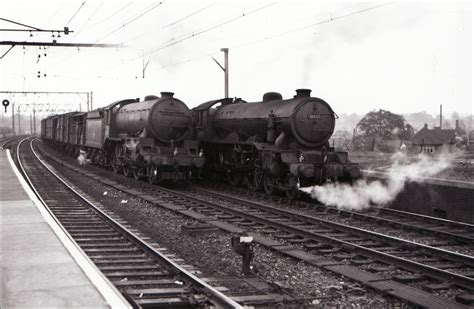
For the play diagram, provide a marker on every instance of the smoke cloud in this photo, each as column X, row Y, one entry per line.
column 365, row 193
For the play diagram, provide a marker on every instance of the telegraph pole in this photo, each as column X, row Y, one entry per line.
column 226, row 71
column 13, row 118
column 34, row 121
column 19, row 122
column 225, row 68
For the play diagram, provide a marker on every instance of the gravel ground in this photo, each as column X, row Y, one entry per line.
column 212, row 254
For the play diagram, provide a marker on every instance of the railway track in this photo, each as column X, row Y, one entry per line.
column 392, row 221
column 371, row 244
column 145, row 276
column 379, row 261
column 10, row 141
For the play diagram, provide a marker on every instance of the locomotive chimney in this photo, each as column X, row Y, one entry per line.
column 166, row 94
column 303, row 93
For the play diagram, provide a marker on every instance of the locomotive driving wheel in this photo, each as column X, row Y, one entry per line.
column 233, row 179
column 268, row 184
column 115, row 167
column 152, row 174
column 137, row 173
column 254, row 179
column 115, row 162
column 126, row 170
column 293, row 191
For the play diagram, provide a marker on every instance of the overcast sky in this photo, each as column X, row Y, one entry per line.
column 402, row 56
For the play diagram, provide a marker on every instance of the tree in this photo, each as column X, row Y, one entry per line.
column 5, row 130
column 383, row 129
column 407, row 132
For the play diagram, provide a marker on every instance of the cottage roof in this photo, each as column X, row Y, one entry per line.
column 434, row 136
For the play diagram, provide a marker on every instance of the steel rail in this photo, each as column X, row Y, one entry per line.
column 454, row 256
column 392, row 259
column 166, row 198
column 100, row 281
column 414, row 266
column 214, row 295
column 427, row 219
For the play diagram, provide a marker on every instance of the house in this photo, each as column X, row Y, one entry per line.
column 433, row 140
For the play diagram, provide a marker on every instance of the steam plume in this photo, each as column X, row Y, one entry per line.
column 82, row 158
column 364, row 193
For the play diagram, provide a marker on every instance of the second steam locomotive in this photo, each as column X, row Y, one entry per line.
column 274, row 144
column 152, row 138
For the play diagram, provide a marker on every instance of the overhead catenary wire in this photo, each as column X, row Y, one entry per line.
column 266, row 38
column 114, row 13
column 187, row 16
column 132, row 20
column 89, row 19
column 204, row 30
column 93, row 25
column 131, row 13
column 311, row 25
column 171, row 24
column 75, row 14
column 269, row 37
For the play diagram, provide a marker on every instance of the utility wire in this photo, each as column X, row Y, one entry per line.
column 310, row 25
column 74, row 15
column 170, row 24
column 196, row 33
column 209, row 54
column 204, row 30
column 89, row 19
column 54, row 15
column 217, row 25
column 113, row 14
column 187, row 16
column 132, row 20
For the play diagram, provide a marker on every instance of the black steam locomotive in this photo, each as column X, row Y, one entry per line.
column 151, row 138
column 275, row 144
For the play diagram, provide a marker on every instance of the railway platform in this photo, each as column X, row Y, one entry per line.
column 40, row 265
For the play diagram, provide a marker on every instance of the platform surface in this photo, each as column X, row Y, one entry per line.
column 36, row 270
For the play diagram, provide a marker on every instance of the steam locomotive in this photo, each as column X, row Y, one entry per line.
column 275, row 144
column 152, row 139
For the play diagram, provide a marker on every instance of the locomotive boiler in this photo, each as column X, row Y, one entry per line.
column 167, row 119
column 153, row 138
column 157, row 139
column 274, row 143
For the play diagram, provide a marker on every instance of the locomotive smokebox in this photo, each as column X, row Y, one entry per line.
column 303, row 93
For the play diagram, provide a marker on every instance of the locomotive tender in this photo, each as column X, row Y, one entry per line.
column 151, row 138
column 275, row 143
